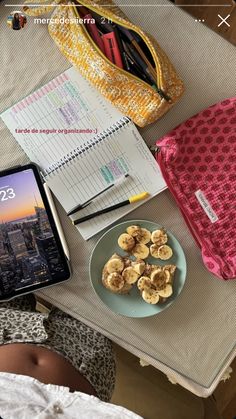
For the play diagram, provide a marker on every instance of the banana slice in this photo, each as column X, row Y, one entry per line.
column 159, row 237
column 168, row 276
column 156, row 272
column 154, row 251
column 104, row 277
column 115, row 282
column 165, row 252
column 126, row 242
column 133, row 230
column 144, row 283
column 140, row 251
column 169, row 271
column 130, row 275
column 170, row 268
column 105, row 272
column 127, row 262
column 115, row 256
column 144, row 236
column 115, row 265
column 105, row 284
column 139, row 266
column 166, row 292
column 150, row 296
column 148, row 269
column 154, row 267
column 158, row 279
column 126, row 288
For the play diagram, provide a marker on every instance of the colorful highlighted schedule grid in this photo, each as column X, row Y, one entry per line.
column 122, row 152
column 114, row 169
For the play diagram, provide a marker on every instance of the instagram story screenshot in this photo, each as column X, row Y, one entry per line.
column 118, row 209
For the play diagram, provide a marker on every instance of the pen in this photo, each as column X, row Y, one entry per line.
column 127, row 66
column 57, row 221
column 133, row 41
column 136, row 70
column 140, row 70
column 128, row 56
column 132, row 52
column 90, row 200
column 131, row 200
column 144, row 47
column 141, row 63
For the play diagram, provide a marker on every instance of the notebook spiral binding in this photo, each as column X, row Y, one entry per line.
column 68, row 158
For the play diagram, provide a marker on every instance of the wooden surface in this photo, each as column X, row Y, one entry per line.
column 209, row 13
column 225, row 395
column 147, row 391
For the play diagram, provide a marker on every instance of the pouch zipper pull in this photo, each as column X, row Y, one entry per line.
column 154, row 149
column 163, row 95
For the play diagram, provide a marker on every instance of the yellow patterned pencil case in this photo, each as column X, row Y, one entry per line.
column 133, row 96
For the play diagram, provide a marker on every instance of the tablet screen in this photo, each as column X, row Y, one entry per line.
column 30, row 252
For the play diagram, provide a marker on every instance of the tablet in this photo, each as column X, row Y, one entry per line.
column 31, row 254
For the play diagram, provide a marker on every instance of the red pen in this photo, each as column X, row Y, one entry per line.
column 112, row 49
column 93, row 31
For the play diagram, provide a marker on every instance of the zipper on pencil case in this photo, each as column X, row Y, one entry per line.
column 159, row 89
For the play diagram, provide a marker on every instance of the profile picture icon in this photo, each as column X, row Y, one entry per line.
column 16, row 20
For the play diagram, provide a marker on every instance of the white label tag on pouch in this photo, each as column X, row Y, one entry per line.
column 206, row 206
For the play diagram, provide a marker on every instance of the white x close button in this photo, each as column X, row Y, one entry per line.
column 224, row 20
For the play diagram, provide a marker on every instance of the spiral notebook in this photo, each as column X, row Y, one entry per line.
column 82, row 144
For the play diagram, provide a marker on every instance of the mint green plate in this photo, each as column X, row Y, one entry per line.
column 132, row 304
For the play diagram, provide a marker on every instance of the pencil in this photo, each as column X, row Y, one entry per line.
column 150, row 67
column 57, row 221
column 89, row 201
column 131, row 200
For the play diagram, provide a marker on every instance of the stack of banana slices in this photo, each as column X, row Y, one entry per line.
column 155, row 285
column 154, row 282
column 136, row 241
column 121, row 273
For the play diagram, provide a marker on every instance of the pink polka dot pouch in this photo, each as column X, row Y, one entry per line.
column 198, row 162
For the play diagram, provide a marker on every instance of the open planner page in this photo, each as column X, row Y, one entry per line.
column 41, row 122
column 122, row 152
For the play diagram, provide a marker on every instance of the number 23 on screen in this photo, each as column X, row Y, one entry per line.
column 7, row 194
